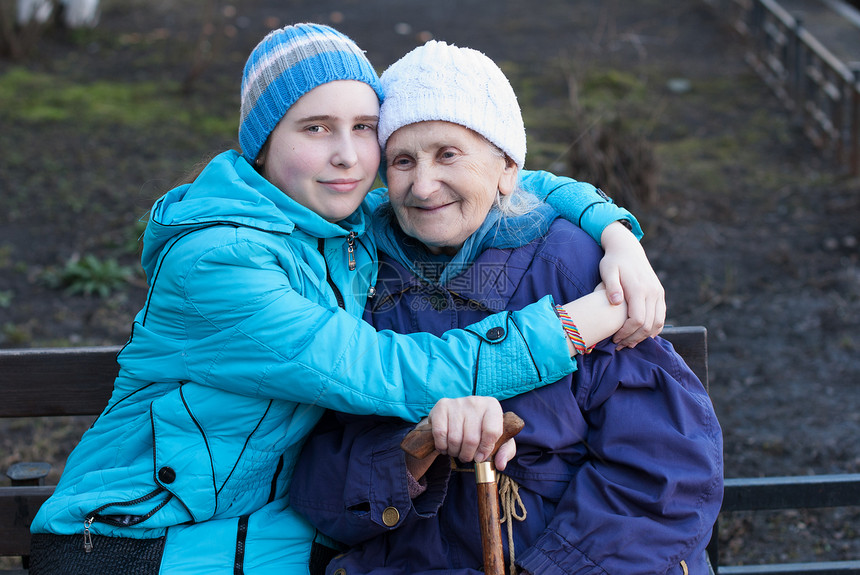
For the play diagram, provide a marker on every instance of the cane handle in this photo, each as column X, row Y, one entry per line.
column 419, row 442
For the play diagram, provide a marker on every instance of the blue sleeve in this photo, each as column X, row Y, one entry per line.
column 655, row 479
column 578, row 202
column 350, row 479
column 342, row 361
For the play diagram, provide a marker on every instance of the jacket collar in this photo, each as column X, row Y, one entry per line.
column 485, row 270
column 489, row 282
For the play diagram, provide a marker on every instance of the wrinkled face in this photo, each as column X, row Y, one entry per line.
column 442, row 181
column 324, row 153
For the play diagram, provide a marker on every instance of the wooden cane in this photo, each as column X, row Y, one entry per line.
column 419, row 444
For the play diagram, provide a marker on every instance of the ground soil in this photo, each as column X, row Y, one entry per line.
column 753, row 231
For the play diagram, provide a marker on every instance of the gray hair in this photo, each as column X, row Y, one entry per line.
column 517, row 203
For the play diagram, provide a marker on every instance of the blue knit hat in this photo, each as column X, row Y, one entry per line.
column 287, row 64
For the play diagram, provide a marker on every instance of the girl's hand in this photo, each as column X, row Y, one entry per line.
column 628, row 276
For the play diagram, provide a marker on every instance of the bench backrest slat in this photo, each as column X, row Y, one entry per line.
column 810, row 491
column 61, row 381
column 691, row 343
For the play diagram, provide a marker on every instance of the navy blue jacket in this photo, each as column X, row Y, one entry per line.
column 619, row 466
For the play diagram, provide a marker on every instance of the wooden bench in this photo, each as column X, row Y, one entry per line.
column 39, row 383
column 78, row 381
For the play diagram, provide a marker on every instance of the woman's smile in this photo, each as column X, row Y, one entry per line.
column 433, row 209
column 342, row 185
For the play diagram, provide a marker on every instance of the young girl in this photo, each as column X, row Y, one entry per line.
column 258, row 273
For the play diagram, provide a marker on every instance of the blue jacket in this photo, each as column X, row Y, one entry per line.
column 251, row 328
column 619, row 466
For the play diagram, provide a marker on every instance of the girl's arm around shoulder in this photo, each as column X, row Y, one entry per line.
column 257, row 316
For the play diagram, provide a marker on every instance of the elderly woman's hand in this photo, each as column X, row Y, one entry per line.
column 627, row 275
column 469, row 427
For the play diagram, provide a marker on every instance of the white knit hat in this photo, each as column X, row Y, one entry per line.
column 438, row 81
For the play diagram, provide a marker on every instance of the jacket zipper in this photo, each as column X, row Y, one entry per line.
column 88, row 538
column 350, row 248
column 241, row 536
column 337, row 294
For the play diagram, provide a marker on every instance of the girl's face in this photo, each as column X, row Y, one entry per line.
column 442, row 181
column 324, row 153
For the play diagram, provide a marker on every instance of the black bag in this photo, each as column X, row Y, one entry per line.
column 64, row 555
column 321, row 556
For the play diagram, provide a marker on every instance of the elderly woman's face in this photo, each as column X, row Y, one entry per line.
column 442, row 181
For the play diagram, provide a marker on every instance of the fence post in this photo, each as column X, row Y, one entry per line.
column 855, row 123
column 757, row 28
column 796, row 70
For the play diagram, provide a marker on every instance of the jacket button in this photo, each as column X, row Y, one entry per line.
column 390, row 516
column 495, row 333
column 340, row 572
column 166, row 475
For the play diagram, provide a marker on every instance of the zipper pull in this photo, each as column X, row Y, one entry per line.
column 350, row 242
column 88, row 538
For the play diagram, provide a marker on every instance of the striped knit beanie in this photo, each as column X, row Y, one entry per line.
column 438, row 81
column 287, row 64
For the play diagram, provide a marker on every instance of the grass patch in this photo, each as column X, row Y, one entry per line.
column 605, row 89
column 89, row 275
column 37, row 97
column 591, row 124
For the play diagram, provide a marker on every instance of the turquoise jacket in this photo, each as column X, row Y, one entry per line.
column 250, row 330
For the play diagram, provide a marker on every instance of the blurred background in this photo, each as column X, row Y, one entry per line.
column 675, row 108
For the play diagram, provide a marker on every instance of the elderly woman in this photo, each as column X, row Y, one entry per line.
column 618, row 469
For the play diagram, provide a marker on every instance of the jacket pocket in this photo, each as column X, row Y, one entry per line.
column 130, row 513
column 182, row 457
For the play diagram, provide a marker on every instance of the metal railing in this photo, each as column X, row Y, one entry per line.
column 822, row 91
